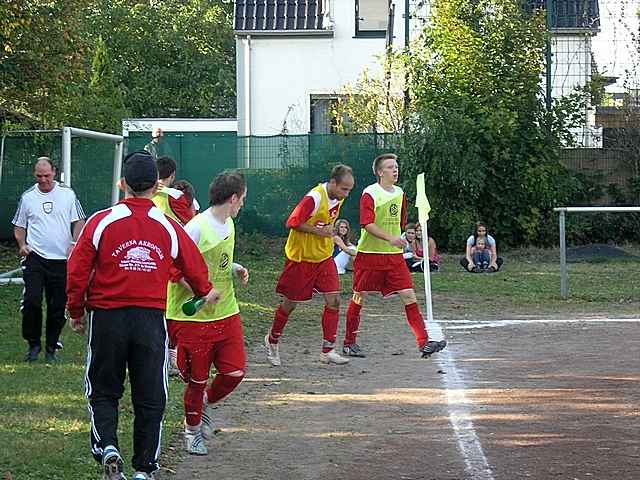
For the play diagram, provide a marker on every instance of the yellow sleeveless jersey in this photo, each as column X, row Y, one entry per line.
column 218, row 254
column 388, row 209
column 307, row 247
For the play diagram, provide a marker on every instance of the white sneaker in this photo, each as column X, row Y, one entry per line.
column 273, row 351
column 208, row 428
column 333, row 357
column 194, row 442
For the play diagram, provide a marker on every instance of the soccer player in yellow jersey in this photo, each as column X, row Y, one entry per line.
column 214, row 334
column 309, row 265
column 379, row 265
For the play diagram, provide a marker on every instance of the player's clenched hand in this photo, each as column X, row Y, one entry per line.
column 325, row 230
column 398, row 242
column 77, row 324
column 213, row 296
column 243, row 275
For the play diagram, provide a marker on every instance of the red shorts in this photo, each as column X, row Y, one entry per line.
column 299, row 280
column 369, row 277
column 201, row 344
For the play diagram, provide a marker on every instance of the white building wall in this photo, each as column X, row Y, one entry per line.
column 571, row 69
column 285, row 71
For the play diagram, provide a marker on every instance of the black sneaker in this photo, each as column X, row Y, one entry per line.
column 353, row 350
column 32, row 353
column 50, row 355
column 432, row 347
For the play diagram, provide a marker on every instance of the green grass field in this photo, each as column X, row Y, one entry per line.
column 43, row 417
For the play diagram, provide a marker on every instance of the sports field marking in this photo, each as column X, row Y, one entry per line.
column 476, row 464
column 473, row 324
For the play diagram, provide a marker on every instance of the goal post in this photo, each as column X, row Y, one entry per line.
column 563, row 242
column 69, row 132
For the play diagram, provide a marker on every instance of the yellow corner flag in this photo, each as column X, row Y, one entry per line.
column 422, row 203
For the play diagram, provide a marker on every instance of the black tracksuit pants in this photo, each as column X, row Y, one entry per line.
column 40, row 274
column 132, row 338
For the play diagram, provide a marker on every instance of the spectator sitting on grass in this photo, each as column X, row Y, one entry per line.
column 414, row 250
column 467, row 262
column 343, row 249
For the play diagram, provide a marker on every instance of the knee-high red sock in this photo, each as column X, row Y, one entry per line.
column 193, row 402
column 222, row 386
column 416, row 322
column 280, row 319
column 353, row 323
column 329, row 328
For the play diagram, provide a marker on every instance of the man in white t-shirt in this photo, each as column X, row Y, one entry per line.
column 47, row 223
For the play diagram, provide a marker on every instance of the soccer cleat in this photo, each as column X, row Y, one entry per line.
column 353, row 350
column 208, row 428
column 273, row 351
column 142, row 476
column 194, row 442
column 112, row 464
column 32, row 353
column 50, row 355
column 333, row 357
column 432, row 347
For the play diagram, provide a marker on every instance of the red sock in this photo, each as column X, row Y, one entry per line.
column 353, row 323
column 416, row 322
column 280, row 319
column 193, row 402
column 329, row 328
column 222, row 386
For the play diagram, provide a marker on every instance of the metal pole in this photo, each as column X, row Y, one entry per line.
column 407, row 26
column 563, row 257
column 66, row 156
column 117, row 172
column 548, row 100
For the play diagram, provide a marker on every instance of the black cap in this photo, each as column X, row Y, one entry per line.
column 140, row 171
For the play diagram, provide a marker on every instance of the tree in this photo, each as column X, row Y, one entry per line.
column 40, row 52
column 173, row 58
column 477, row 123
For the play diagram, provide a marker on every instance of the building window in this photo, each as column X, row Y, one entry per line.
column 372, row 18
column 322, row 118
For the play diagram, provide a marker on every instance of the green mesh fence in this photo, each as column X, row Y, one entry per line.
column 19, row 154
column 279, row 170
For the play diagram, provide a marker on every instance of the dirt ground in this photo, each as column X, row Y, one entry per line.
column 507, row 400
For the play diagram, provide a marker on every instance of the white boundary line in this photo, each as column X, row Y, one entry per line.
column 475, row 324
column 476, row 464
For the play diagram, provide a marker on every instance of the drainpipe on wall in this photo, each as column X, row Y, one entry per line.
column 247, row 101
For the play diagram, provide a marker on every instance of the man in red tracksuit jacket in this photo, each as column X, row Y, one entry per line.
column 118, row 273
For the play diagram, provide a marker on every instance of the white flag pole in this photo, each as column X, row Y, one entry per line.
column 427, row 272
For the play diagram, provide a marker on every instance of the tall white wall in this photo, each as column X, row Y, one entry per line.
column 287, row 70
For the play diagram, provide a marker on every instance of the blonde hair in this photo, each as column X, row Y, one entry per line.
column 381, row 158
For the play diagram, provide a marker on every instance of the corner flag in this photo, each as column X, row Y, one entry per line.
column 422, row 203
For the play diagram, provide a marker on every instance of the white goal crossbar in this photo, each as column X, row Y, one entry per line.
column 563, row 242
column 69, row 132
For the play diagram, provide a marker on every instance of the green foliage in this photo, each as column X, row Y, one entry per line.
column 40, row 52
column 157, row 59
column 173, row 58
column 479, row 128
column 98, row 105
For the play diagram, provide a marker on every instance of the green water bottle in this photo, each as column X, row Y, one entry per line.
column 191, row 307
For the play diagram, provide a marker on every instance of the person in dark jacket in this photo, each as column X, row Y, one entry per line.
column 116, row 289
